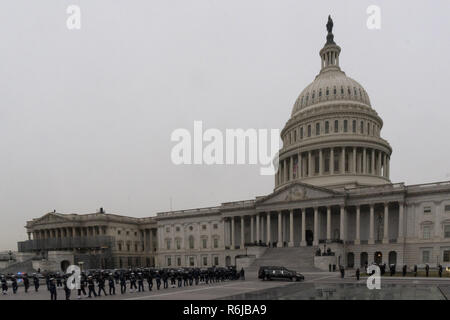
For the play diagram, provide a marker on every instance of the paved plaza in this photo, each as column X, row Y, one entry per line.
column 317, row 286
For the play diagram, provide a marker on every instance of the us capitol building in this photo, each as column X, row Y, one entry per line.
column 332, row 191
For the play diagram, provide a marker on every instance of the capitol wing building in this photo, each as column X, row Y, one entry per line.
column 332, row 192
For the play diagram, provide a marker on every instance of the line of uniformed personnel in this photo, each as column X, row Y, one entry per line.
column 93, row 282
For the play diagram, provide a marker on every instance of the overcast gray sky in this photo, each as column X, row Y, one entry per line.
column 86, row 115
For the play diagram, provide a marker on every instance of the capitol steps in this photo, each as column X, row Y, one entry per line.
column 23, row 266
column 295, row 258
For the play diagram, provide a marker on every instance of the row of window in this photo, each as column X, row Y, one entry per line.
column 191, row 243
column 310, row 98
column 128, row 247
column 191, row 228
column 428, row 258
column 328, row 127
column 191, row 261
column 427, row 231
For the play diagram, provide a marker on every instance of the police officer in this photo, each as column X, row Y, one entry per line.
column 185, row 278
column 101, row 285
column 150, row 280
column 133, row 287
column 415, row 270
column 83, row 282
column 67, row 291
column 404, row 270
column 123, row 284
column 172, row 278
column 4, row 285
column 242, row 274
column 26, row 282
column 158, row 280
column 342, row 271
column 140, row 282
column 427, row 269
column 52, row 288
column 112, row 285
column 14, row 284
column 196, row 276
column 36, row 282
column 357, row 274
column 58, row 280
column 165, row 278
column 91, row 287
column 180, row 278
column 440, row 271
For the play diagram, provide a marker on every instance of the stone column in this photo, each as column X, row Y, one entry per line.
column 285, row 170
column 331, row 160
column 329, row 223
column 303, row 243
column 379, row 164
column 232, row 233
column 320, row 162
column 252, row 233
column 291, row 168
column 280, row 231
column 371, row 225
column 358, row 225
column 400, row 221
column 268, row 228
column 387, row 167
column 342, row 224
column 150, row 240
column 354, row 161
column 310, row 173
column 257, row 228
column 300, row 165
column 316, row 226
column 291, row 228
column 364, row 164
column 386, row 223
column 372, row 165
column 242, row 232
column 342, row 170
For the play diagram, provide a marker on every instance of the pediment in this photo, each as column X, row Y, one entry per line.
column 298, row 192
column 51, row 217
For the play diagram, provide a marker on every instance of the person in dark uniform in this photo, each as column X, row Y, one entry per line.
column 242, row 274
column 101, row 285
column 179, row 278
column 357, row 274
column 415, row 270
column 83, row 283
column 341, row 268
column 427, row 269
column 165, row 278
column 26, row 283
column 158, row 280
column 440, row 271
column 140, row 282
column 58, row 280
column 112, row 285
column 172, row 278
column 185, row 278
column 404, row 270
column 14, row 284
column 4, row 285
column 150, row 280
column 36, row 282
column 52, row 288
column 133, row 287
column 47, row 281
column 123, row 284
column 392, row 269
column 195, row 276
column 91, row 287
column 67, row 291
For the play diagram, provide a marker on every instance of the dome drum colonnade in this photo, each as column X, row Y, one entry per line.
column 333, row 136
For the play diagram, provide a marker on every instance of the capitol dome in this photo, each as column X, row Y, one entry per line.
column 333, row 137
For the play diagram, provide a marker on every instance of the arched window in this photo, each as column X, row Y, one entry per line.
column 336, row 125
column 309, row 130
column 301, row 133
column 327, row 127
column 354, row 126
column 317, row 128
column 345, row 126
